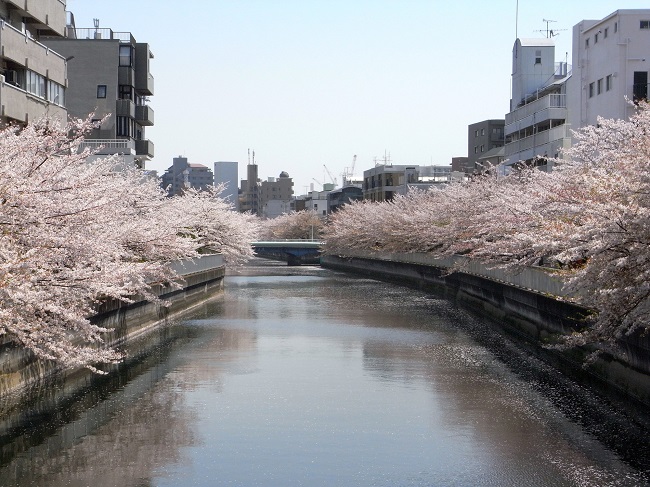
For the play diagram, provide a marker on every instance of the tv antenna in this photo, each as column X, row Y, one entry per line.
column 550, row 33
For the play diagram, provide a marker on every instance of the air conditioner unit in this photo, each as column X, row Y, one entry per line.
column 11, row 77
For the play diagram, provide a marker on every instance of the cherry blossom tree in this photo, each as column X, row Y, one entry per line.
column 75, row 233
column 304, row 224
column 590, row 216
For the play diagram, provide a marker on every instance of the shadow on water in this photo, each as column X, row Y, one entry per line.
column 54, row 409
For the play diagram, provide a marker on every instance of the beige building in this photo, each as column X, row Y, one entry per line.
column 33, row 81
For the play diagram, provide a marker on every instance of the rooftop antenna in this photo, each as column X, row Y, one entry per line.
column 550, row 33
column 96, row 22
column 517, row 20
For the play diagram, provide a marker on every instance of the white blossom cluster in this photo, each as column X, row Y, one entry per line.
column 590, row 217
column 74, row 233
column 305, row 224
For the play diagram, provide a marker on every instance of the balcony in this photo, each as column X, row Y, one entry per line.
column 144, row 148
column 48, row 14
column 548, row 101
column 550, row 107
column 143, row 79
column 18, row 46
column 144, row 115
column 125, row 108
column 18, row 105
column 109, row 146
column 544, row 143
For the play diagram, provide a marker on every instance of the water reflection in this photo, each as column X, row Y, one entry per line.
column 307, row 377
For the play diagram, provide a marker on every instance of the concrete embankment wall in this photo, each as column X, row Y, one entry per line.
column 529, row 305
column 134, row 327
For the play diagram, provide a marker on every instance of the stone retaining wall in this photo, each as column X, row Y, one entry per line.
column 532, row 316
column 20, row 370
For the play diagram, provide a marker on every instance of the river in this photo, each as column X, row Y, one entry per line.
column 308, row 377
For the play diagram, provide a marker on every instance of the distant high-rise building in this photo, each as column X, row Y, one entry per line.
column 181, row 175
column 226, row 173
column 249, row 195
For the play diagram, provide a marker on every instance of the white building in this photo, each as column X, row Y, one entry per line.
column 226, row 173
column 611, row 61
column 536, row 126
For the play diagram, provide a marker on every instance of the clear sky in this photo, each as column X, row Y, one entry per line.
column 311, row 83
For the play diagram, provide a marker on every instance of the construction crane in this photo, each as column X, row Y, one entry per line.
column 332, row 179
column 348, row 172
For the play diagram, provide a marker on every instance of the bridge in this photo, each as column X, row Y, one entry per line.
column 293, row 252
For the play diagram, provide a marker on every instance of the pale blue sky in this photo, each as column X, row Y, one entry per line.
column 307, row 83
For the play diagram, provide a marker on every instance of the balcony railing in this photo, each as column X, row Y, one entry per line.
column 538, row 140
column 18, row 46
column 144, row 115
column 144, row 148
column 97, row 33
column 109, row 146
column 548, row 101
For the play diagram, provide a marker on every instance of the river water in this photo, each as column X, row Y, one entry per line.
column 307, row 377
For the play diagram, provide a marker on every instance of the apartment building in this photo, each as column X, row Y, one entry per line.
column 109, row 75
column 383, row 182
column 611, row 61
column 483, row 137
column 537, row 125
column 33, row 81
column 181, row 175
column 275, row 195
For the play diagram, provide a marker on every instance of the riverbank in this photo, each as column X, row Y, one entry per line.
column 530, row 306
column 134, row 328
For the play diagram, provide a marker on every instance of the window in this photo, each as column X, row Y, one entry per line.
column 35, row 83
column 126, row 55
column 482, row 148
column 101, row 91
column 615, row 27
column 640, row 86
column 55, row 93
column 591, row 89
column 644, row 24
column 608, row 82
column 599, row 86
column 587, row 43
column 125, row 127
column 605, row 32
column 595, row 38
column 126, row 92
column 476, row 133
column 475, row 149
column 482, row 131
column 538, row 56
